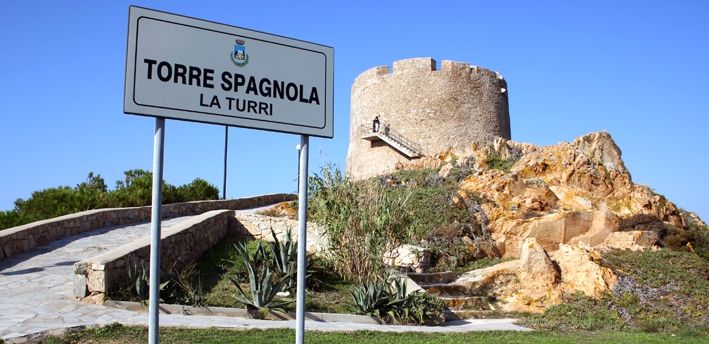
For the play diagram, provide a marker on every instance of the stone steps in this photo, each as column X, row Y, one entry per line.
column 433, row 277
column 460, row 314
column 445, row 289
column 467, row 302
column 457, row 299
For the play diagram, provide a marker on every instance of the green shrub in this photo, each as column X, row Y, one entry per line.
column 198, row 189
column 371, row 297
column 13, row 218
column 358, row 220
column 139, row 286
column 139, row 277
column 134, row 190
column 694, row 238
column 428, row 205
column 189, row 288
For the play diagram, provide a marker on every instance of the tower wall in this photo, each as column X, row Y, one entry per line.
column 434, row 108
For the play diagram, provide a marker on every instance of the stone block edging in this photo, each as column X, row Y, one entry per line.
column 26, row 237
column 241, row 313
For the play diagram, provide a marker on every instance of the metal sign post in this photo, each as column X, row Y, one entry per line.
column 226, row 145
column 155, row 217
column 297, row 148
column 302, row 238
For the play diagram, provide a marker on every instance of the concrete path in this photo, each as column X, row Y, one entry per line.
column 36, row 293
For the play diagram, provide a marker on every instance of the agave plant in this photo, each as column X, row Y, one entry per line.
column 139, row 276
column 389, row 301
column 285, row 254
column 371, row 297
column 141, row 282
column 263, row 282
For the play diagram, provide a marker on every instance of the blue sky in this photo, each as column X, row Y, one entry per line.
column 638, row 69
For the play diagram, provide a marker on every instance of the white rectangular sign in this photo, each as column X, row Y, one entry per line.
column 190, row 69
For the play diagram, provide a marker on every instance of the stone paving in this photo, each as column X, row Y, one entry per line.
column 36, row 293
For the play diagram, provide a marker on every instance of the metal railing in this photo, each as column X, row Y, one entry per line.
column 395, row 136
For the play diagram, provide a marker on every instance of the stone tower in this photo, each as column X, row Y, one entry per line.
column 422, row 111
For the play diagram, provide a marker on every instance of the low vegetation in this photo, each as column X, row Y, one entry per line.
column 658, row 291
column 694, row 239
column 364, row 219
column 495, row 162
column 134, row 190
column 261, row 276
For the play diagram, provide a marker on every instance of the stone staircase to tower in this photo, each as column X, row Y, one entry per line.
column 459, row 302
column 397, row 141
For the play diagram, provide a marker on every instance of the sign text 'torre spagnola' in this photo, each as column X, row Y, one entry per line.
column 239, row 83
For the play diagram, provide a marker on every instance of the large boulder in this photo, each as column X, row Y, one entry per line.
column 581, row 271
column 538, row 277
column 632, row 240
column 408, row 257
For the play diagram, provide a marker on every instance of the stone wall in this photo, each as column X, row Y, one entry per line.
column 23, row 238
column 181, row 244
column 259, row 227
column 436, row 109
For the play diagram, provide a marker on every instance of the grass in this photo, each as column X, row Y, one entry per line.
column 495, row 162
column 576, row 313
column 658, row 291
column 481, row 264
column 327, row 292
column 117, row 334
column 219, row 262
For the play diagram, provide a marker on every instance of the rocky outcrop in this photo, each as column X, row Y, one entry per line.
column 576, row 192
column 540, row 279
column 553, row 209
